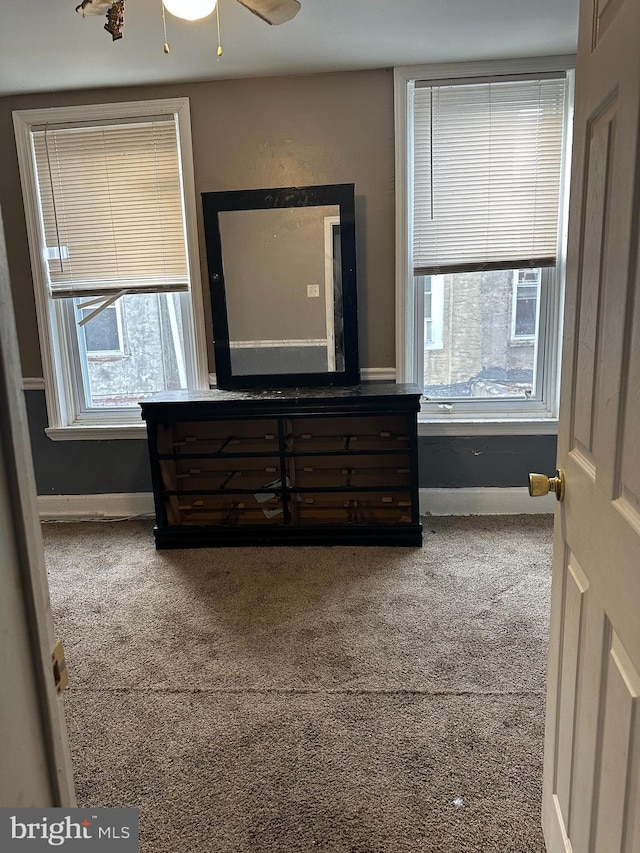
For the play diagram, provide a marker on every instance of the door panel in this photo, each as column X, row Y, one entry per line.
column 618, row 746
column 574, row 607
column 591, row 297
column 604, row 13
column 627, row 481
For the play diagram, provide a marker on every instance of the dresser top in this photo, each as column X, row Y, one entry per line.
column 356, row 397
column 366, row 390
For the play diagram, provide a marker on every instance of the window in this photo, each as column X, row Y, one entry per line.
column 102, row 337
column 428, row 312
column 110, row 208
column 481, row 167
column 526, row 300
column 432, row 289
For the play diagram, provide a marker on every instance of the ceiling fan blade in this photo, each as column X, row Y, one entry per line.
column 94, row 7
column 273, row 11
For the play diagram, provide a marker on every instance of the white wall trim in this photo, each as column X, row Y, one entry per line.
column 46, row 332
column 32, row 383
column 367, row 374
column 95, row 507
column 486, row 67
column 198, row 336
column 484, row 501
column 472, row 501
column 403, row 83
column 291, row 342
column 329, row 302
column 97, row 432
column 378, row 374
column 542, row 426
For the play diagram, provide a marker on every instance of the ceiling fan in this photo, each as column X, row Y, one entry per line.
column 271, row 11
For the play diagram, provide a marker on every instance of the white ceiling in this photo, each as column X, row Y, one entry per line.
column 45, row 46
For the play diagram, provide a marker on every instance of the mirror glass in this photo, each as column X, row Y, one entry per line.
column 284, row 301
column 283, row 287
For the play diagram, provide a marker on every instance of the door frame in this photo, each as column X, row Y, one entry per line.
column 25, row 523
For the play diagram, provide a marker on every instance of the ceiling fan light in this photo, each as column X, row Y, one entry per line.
column 190, row 10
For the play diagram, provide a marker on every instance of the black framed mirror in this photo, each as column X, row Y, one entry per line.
column 282, row 279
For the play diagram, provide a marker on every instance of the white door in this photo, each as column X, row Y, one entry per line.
column 35, row 764
column 591, row 799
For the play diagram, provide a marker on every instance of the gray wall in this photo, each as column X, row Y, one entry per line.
column 281, row 131
column 271, row 132
column 90, row 467
column 495, row 460
column 84, row 467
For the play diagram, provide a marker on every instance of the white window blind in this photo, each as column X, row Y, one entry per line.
column 111, row 206
column 487, row 172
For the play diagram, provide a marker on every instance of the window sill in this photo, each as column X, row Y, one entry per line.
column 99, row 432
column 495, row 426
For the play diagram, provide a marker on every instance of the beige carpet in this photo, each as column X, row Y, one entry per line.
column 298, row 699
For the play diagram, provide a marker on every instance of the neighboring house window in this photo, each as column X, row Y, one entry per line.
column 110, row 206
column 482, row 167
column 432, row 290
column 103, row 337
column 525, row 303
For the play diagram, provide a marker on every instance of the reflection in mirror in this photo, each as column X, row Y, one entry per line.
column 284, row 299
column 283, row 286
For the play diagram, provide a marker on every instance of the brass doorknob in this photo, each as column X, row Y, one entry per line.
column 540, row 484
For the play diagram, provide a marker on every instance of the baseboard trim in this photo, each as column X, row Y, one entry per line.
column 472, row 501
column 95, row 507
column 484, row 501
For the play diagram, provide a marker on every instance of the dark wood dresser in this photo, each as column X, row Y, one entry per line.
column 301, row 466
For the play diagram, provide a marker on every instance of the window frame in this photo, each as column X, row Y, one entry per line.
column 489, row 417
column 61, row 362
